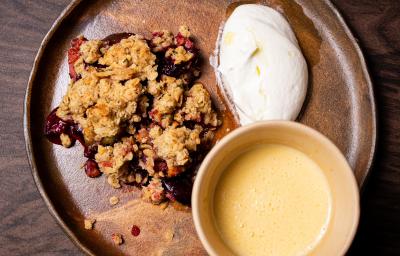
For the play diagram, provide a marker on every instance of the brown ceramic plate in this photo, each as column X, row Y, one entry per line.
column 340, row 104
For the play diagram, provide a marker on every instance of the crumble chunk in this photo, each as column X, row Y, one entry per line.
column 132, row 54
column 174, row 145
column 111, row 159
column 166, row 103
column 90, row 51
column 179, row 54
column 198, row 107
column 162, row 40
column 104, row 98
column 154, row 192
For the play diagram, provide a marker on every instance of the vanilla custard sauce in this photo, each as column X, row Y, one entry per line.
column 272, row 200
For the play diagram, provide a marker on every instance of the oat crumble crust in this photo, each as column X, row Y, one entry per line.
column 137, row 104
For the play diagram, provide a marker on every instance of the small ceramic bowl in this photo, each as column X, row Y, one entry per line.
column 343, row 186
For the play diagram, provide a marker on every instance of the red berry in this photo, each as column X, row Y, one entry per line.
column 135, row 231
column 188, row 44
column 92, row 169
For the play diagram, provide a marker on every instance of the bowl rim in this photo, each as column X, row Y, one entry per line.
column 202, row 172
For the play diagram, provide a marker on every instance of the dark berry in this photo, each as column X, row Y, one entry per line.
column 92, row 169
column 160, row 165
column 179, row 188
column 75, row 131
column 90, row 151
column 55, row 126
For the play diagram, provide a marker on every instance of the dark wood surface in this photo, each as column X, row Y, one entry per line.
column 26, row 227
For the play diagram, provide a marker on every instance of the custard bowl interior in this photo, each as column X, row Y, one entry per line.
column 344, row 191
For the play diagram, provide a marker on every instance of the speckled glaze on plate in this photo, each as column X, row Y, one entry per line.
column 340, row 104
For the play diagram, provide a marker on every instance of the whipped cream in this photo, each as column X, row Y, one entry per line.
column 262, row 67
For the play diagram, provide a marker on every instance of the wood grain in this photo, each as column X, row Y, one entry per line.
column 26, row 228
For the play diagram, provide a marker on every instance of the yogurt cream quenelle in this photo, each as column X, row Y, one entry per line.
column 262, row 67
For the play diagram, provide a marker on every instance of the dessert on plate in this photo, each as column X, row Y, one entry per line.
column 136, row 107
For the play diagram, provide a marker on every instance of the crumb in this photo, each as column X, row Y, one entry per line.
column 89, row 223
column 117, row 238
column 114, row 200
column 65, row 140
column 154, row 192
column 164, row 205
column 228, row 129
column 169, row 235
column 160, row 252
column 184, row 30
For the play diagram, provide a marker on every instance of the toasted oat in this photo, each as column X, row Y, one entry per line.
column 65, row 140
column 117, row 238
column 164, row 205
column 169, row 235
column 89, row 223
column 114, row 200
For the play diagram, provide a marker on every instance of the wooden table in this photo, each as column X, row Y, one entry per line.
column 26, row 227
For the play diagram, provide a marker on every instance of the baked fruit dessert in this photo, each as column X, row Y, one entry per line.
column 135, row 106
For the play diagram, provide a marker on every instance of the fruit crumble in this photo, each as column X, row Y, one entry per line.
column 136, row 107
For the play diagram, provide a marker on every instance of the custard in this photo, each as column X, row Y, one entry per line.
column 272, row 200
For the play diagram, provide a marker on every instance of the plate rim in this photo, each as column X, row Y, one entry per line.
column 27, row 128
column 27, row 102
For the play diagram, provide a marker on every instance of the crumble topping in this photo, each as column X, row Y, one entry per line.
column 179, row 54
column 162, row 40
column 174, row 144
column 184, row 31
column 198, row 107
column 154, row 191
column 91, row 51
column 111, row 159
column 133, row 104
